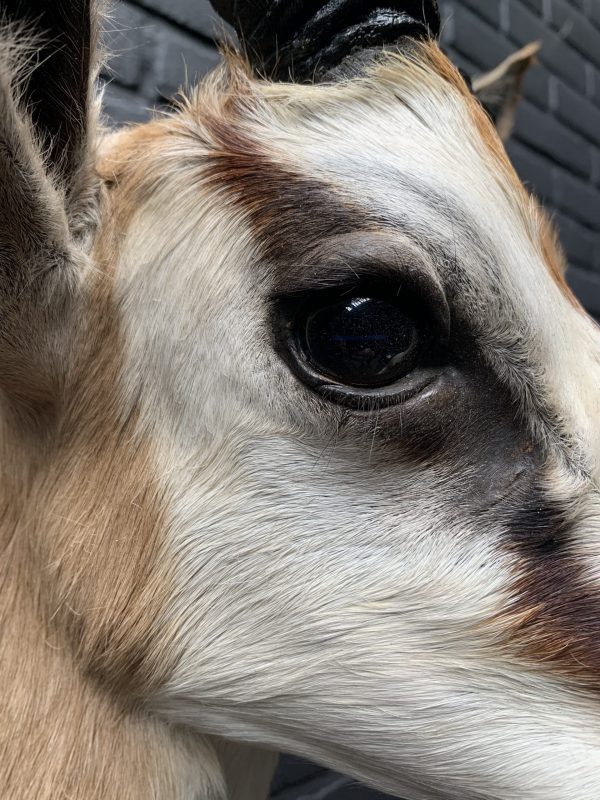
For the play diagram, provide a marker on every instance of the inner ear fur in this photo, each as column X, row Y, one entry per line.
column 48, row 192
column 499, row 90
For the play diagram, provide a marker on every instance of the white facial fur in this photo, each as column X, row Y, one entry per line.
column 332, row 598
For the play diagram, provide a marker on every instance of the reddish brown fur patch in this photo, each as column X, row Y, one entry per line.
column 555, row 620
column 84, row 582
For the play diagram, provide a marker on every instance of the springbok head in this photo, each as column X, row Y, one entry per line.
column 299, row 427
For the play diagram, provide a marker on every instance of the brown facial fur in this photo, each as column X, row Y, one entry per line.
column 84, row 581
column 554, row 620
column 280, row 202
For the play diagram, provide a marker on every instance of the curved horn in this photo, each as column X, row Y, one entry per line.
column 304, row 40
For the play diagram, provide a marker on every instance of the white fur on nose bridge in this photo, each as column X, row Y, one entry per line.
column 359, row 632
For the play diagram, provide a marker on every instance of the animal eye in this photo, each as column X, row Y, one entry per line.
column 372, row 345
column 360, row 341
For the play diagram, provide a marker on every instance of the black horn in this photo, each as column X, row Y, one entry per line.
column 306, row 40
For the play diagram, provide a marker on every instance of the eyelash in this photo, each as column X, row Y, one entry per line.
column 294, row 312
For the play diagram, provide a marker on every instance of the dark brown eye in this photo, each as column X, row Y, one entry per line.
column 371, row 345
column 360, row 341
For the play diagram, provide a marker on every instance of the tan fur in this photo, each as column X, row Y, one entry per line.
column 84, row 583
column 87, row 575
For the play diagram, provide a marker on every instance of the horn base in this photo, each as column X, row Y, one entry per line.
column 304, row 40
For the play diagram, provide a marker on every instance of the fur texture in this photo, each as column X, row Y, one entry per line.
column 197, row 549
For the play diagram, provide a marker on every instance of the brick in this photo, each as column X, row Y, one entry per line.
column 575, row 111
column 580, row 243
column 536, row 6
column 590, row 81
column 586, row 286
column 576, row 29
column 477, row 41
column 129, row 33
column 594, row 12
column 577, row 199
column 596, row 167
column 121, row 105
column 524, row 26
column 536, row 86
column 594, row 85
column 551, row 138
column 591, row 9
column 557, row 56
column 464, row 64
column 490, row 12
column 195, row 15
column 181, row 58
column 534, row 170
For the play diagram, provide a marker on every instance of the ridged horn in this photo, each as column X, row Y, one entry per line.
column 306, row 40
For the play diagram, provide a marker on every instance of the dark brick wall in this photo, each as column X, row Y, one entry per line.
column 556, row 143
column 555, row 147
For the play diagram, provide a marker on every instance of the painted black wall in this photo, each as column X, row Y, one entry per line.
column 555, row 146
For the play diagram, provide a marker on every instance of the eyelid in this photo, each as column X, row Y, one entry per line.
column 363, row 256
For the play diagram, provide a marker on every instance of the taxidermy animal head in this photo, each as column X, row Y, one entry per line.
column 299, row 426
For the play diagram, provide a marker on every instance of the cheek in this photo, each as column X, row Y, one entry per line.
column 463, row 427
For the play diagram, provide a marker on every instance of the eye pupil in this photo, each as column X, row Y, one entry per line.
column 361, row 341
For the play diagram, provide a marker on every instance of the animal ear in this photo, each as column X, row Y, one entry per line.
column 499, row 90
column 56, row 87
column 47, row 187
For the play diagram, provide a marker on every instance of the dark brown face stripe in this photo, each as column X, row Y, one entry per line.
column 540, row 526
column 289, row 212
column 555, row 617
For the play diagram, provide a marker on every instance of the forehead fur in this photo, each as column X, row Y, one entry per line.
column 247, row 136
